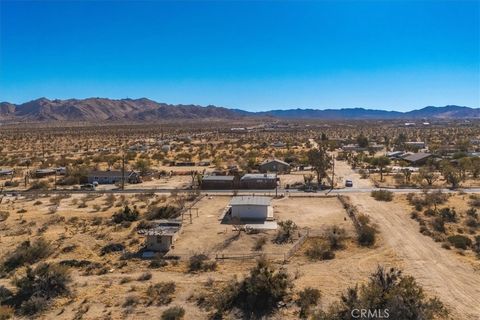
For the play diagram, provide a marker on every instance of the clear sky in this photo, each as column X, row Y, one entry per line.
column 253, row 55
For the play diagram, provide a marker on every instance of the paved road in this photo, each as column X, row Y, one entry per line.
column 240, row 192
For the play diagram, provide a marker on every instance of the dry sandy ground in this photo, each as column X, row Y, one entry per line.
column 439, row 271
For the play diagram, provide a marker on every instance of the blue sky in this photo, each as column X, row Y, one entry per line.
column 254, row 55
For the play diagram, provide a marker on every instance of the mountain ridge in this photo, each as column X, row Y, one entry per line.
column 144, row 109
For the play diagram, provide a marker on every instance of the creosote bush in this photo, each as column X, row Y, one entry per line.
column 256, row 295
column 160, row 293
column 26, row 253
column 286, row 231
column 201, row 262
column 387, row 289
column 382, row 195
column 307, row 298
column 126, row 214
column 173, row 313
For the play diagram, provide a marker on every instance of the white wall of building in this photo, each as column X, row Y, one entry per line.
column 250, row 211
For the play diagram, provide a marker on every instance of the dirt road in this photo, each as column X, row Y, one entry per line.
column 439, row 271
column 343, row 171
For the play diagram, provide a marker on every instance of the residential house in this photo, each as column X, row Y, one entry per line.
column 41, row 173
column 274, row 165
column 416, row 144
column 112, row 177
column 417, row 159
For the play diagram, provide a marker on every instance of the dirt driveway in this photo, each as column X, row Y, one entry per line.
column 343, row 171
column 439, row 271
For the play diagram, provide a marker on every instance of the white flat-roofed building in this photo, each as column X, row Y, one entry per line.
column 251, row 208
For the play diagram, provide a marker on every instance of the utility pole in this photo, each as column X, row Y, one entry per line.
column 123, row 171
column 333, row 171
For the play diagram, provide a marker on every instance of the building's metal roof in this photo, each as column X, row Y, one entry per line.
column 417, row 156
column 250, row 200
column 112, row 173
column 218, row 178
column 255, row 176
column 274, row 161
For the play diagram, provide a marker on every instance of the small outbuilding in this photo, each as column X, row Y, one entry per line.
column 162, row 236
column 218, row 182
column 251, row 208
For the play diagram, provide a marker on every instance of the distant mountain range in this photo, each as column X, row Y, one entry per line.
column 102, row 109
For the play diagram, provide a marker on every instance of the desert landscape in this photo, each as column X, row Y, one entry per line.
column 323, row 236
column 257, row 160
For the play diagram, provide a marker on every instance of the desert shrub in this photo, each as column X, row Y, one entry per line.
column 367, row 235
column 475, row 201
column 164, row 212
column 448, row 214
column 173, row 313
column 336, row 236
column 143, row 224
column 472, row 222
column 112, row 247
column 414, row 215
column 259, row 243
column 6, row 312
column 307, row 298
column 26, row 253
column 126, row 214
column 387, row 289
column 476, row 245
column 5, row 294
column 39, row 287
column 157, row 263
column 438, row 224
column 286, row 231
column 472, row 212
column 74, row 263
column 145, row 276
column 39, row 185
column 130, row 301
column 33, row 306
column 4, row 215
column 319, row 250
column 382, row 195
column 258, row 294
column 430, row 212
column 11, row 184
column 201, row 262
column 161, row 293
column 459, row 241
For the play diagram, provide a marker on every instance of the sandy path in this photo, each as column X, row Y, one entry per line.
column 438, row 270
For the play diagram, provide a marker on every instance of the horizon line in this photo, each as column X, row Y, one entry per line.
column 242, row 109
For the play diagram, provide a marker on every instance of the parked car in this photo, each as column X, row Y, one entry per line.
column 348, row 183
column 88, row 186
